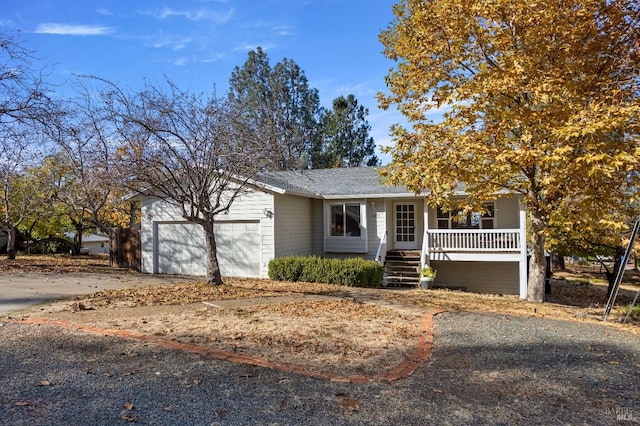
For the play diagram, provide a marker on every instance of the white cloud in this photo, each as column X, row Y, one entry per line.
column 76, row 30
column 279, row 29
column 216, row 57
column 284, row 30
column 194, row 15
column 173, row 44
column 104, row 12
column 247, row 47
column 357, row 90
column 179, row 62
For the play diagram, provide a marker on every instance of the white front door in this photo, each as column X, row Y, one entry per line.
column 405, row 226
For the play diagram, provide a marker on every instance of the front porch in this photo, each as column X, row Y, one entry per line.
column 494, row 261
column 482, row 246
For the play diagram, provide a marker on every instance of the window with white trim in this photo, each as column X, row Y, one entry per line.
column 344, row 220
column 471, row 220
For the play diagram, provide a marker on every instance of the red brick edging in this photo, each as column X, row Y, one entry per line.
column 404, row 369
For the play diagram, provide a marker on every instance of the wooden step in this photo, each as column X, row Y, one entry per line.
column 399, row 281
column 401, row 268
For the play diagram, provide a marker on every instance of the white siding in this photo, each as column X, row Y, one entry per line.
column 507, row 212
column 317, row 227
column 479, row 277
column 376, row 219
column 293, row 226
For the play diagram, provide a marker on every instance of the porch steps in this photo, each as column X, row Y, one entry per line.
column 401, row 268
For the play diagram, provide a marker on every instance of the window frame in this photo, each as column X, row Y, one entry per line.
column 448, row 217
column 347, row 229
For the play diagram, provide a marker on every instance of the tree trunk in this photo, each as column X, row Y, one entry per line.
column 613, row 274
column 213, row 268
column 537, row 264
column 77, row 242
column 11, row 242
column 557, row 262
column 132, row 214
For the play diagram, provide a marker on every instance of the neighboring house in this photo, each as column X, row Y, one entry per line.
column 345, row 213
column 92, row 243
column 95, row 244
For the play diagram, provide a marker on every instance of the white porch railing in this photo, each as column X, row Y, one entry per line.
column 381, row 254
column 472, row 240
column 424, row 253
column 466, row 242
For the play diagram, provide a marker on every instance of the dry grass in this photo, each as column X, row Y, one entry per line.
column 59, row 263
column 329, row 335
column 578, row 294
column 332, row 336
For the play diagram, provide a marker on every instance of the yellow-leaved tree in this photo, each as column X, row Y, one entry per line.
column 541, row 99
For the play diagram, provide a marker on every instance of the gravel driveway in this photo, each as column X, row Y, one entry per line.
column 485, row 369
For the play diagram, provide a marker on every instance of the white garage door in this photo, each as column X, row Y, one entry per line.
column 181, row 248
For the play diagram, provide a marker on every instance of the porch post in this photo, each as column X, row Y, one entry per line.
column 523, row 250
column 424, row 257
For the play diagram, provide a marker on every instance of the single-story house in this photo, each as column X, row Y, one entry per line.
column 95, row 244
column 345, row 213
column 92, row 243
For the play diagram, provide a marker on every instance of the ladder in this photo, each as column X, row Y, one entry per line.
column 621, row 268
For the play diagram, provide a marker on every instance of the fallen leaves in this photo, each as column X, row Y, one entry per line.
column 58, row 264
column 571, row 298
column 327, row 335
column 348, row 403
column 172, row 294
column 127, row 415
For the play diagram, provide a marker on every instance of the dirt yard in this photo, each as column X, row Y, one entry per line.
column 314, row 325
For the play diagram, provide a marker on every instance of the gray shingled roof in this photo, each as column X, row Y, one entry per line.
column 355, row 181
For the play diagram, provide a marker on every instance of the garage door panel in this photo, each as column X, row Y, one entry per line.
column 182, row 249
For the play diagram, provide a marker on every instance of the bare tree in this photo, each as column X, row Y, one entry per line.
column 87, row 181
column 24, row 107
column 185, row 150
column 17, row 152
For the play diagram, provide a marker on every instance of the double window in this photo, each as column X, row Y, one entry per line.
column 470, row 220
column 344, row 220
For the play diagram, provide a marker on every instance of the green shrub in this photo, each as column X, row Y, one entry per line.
column 353, row 272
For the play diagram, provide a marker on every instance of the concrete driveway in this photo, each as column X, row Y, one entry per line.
column 22, row 290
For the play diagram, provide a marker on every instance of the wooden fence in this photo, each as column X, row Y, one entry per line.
column 125, row 250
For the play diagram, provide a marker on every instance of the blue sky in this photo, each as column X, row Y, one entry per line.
column 197, row 43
